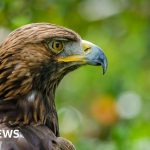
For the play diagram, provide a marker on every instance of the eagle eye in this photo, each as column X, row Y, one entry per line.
column 56, row 46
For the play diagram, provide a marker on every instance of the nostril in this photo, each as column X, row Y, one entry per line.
column 88, row 49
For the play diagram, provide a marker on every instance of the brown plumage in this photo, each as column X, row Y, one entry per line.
column 30, row 71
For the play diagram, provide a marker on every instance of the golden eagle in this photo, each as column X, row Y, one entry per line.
column 33, row 60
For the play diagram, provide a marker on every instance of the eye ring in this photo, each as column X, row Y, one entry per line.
column 56, row 46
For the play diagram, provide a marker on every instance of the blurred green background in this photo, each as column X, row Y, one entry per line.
column 96, row 112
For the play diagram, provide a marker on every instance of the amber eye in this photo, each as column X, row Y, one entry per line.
column 57, row 46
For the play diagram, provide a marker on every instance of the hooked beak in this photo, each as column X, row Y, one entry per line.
column 92, row 55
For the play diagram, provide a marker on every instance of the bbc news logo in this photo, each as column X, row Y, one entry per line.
column 10, row 134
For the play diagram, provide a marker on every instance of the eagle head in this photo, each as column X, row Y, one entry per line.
column 33, row 60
